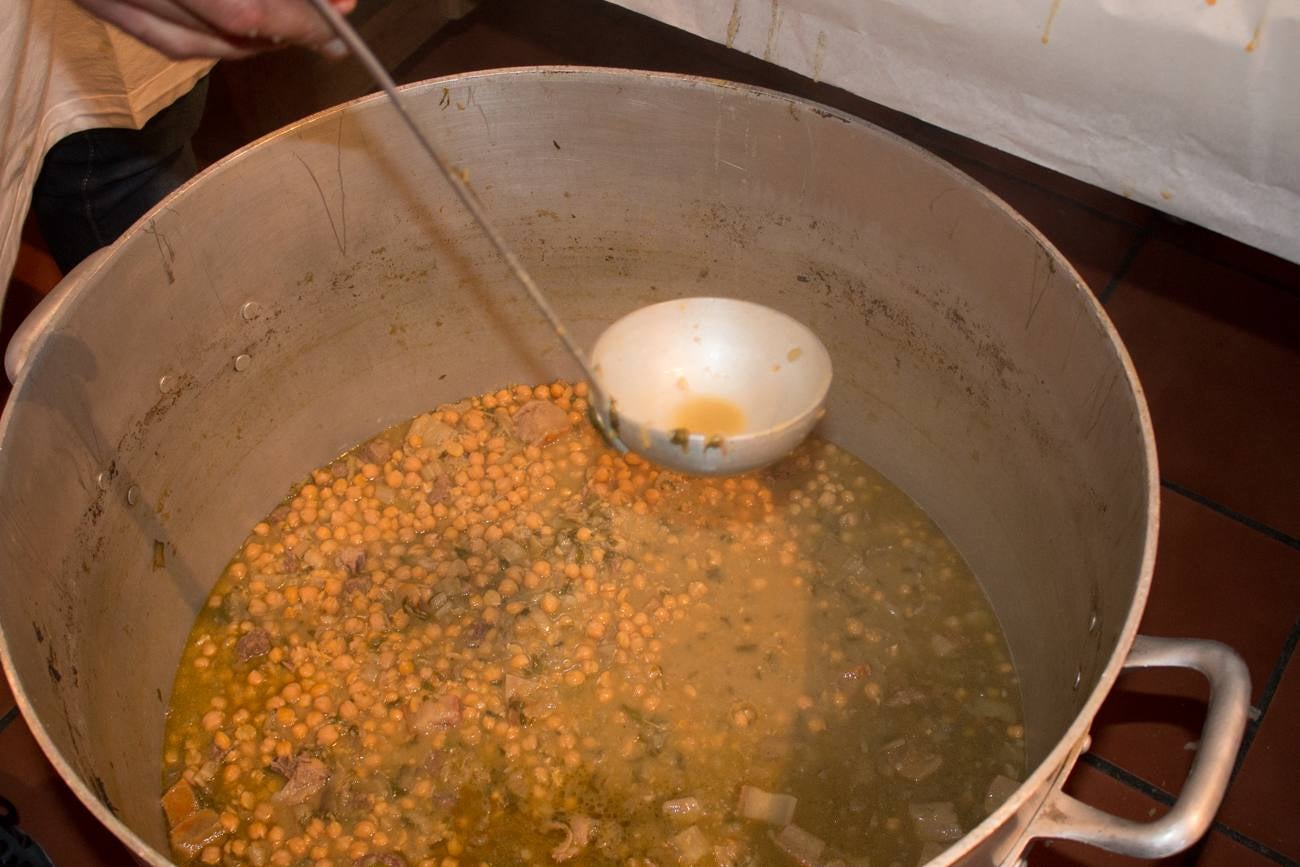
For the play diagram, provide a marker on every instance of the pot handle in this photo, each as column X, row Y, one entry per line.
column 24, row 342
column 1065, row 818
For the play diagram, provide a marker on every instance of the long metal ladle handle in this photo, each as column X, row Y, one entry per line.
column 357, row 46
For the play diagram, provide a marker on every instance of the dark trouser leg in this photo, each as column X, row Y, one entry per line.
column 94, row 184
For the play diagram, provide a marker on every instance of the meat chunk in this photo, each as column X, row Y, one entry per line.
column 440, row 491
column 352, row 558
column 283, row 765
column 577, row 834
column 443, row 712
column 377, row 450
column 254, row 643
column 235, row 605
column 201, row 828
column 178, row 802
column 540, row 421
column 309, row 776
column 432, row 432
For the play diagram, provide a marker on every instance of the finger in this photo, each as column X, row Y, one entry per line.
column 335, row 49
column 172, row 39
column 278, row 20
column 169, row 11
column 172, row 11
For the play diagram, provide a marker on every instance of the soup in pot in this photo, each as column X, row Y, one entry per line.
column 485, row 638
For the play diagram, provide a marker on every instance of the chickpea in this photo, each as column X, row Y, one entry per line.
column 327, row 735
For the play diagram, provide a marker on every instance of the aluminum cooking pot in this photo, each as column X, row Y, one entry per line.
column 322, row 284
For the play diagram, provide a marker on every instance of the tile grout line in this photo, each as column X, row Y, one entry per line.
column 1259, row 526
column 1270, row 689
column 1279, row 668
column 1188, row 247
column 1133, row 781
column 1254, row 845
column 1292, row 639
column 1155, row 793
column 1130, row 256
column 9, row 717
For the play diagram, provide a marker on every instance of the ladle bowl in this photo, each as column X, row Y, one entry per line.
column 711, row 386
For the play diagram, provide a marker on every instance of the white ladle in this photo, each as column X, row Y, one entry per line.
column 704, row 385
column 712, row 385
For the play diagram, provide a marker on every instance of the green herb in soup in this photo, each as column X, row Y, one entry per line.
column 484, row 638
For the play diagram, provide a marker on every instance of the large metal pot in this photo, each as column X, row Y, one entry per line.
column 322, row 284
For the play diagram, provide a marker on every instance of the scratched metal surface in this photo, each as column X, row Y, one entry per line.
column 971, row 367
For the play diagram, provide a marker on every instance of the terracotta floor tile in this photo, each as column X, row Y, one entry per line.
column 48, row 812
column 1218, row 354
column 1096, row 245
column 1220, row 850
column 19, row 300
column 1264, row 801
column 36, row 268
column 1215, row 578
column 1101, row 791
column 1230, row 253
column 6, row 695
column 1150, row 723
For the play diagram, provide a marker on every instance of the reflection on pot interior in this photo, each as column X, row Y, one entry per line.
column 484, row 638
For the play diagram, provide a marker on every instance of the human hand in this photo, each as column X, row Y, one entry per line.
column 222, row 28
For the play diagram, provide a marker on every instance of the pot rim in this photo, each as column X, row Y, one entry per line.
column 1054, row 767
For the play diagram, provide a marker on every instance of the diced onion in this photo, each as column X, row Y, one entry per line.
column 691, row 845
column 1000, row 788
column 766, row 806
column 992, row 708
column 518, row 687
column 803, row 847
column 540, row 620
column 936, row 822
